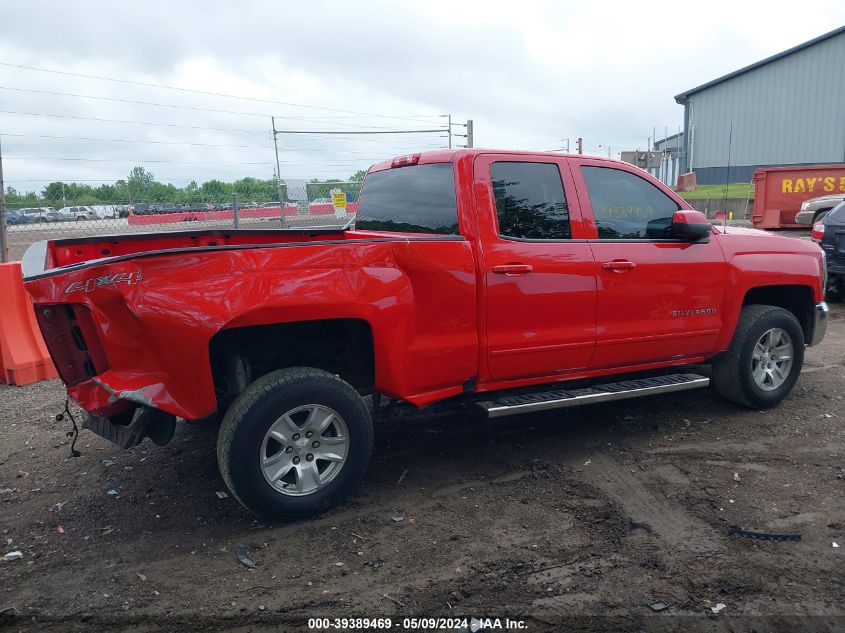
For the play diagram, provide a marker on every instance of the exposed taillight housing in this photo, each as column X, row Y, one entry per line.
column 71, row 337
column 818, row 232
column 404, row 161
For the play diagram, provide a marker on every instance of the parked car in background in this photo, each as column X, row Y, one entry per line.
column 80, row 214
column 33, row 215
column 197, row 206
column 13, row 216
column 141, row 209
column 829, row 233
column 815, row 209
column 105, row 211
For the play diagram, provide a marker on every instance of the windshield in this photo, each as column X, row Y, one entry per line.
column 415, row 199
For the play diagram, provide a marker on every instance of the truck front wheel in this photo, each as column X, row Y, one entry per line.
column 296, row 442
column 762, row 364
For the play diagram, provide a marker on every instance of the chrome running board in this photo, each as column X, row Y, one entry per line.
column 561, row 398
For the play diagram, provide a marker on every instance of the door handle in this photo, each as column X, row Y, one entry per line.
column 619, row 265
column 512, row 269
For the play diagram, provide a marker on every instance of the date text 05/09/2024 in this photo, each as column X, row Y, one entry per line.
column 462, row 625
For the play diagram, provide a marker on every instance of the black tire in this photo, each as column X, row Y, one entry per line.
column 253, row 413
column 732, row 372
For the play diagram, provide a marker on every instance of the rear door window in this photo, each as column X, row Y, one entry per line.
column 412, row 199
column 530, row 203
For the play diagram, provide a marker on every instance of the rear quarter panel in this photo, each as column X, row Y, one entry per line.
column 417, row 295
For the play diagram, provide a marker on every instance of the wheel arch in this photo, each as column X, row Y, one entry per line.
column 795, row 298
column 342, row 346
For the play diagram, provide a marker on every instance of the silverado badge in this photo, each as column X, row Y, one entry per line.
column 693, row 312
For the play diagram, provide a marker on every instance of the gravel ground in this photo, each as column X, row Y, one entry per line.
column 571, row 520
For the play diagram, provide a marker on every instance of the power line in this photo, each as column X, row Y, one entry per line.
column 123, row 140
column 70, row 180
column 214, row 94
column 135, row 160
column 350, row 162
column 153, row 123
column 100, row 120
column 168, row 105
column 359, row 132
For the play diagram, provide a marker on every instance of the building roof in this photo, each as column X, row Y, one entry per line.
column 681, row 98
column 665, row 141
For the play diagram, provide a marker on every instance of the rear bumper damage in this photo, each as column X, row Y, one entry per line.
column 130, row 429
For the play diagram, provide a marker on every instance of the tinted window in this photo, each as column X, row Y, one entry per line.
column 529, row 201
column 415, row 199
column 837, row 214
column 627, row 206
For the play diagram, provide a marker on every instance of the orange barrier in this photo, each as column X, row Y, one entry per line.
column 23, row 356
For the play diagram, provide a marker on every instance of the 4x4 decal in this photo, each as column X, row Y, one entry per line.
column 130, row 279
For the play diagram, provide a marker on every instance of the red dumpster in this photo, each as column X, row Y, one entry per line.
column 779, row 191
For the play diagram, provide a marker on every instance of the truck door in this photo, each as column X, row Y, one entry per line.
column 538, row 275
column 658, row 298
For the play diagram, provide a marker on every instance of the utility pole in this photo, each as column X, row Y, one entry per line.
column 467, row 136
column 4, row 244
column 654, row 142
column 580, row 144
column 562, row 149
column 278, row 174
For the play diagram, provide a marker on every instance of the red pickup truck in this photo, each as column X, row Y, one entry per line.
column 516, row 281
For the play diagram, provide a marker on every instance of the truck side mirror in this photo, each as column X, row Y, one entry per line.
column 690, row 226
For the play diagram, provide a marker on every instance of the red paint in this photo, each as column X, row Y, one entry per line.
column 779, row 191
column 442, row 309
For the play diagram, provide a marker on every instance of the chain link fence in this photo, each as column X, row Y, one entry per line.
column 303, row 204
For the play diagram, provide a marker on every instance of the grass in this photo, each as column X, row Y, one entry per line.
column 735, row 190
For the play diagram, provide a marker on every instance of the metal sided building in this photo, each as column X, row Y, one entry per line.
column 784, row 110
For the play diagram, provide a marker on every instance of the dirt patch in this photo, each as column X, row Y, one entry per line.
column 591, row 513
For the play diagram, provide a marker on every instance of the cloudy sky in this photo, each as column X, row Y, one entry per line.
column 530, row 75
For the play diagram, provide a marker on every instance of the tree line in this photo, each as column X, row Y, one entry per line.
column 140, row 186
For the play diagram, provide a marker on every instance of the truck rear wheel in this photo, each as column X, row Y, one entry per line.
column 764, row 360
column 296, row 442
